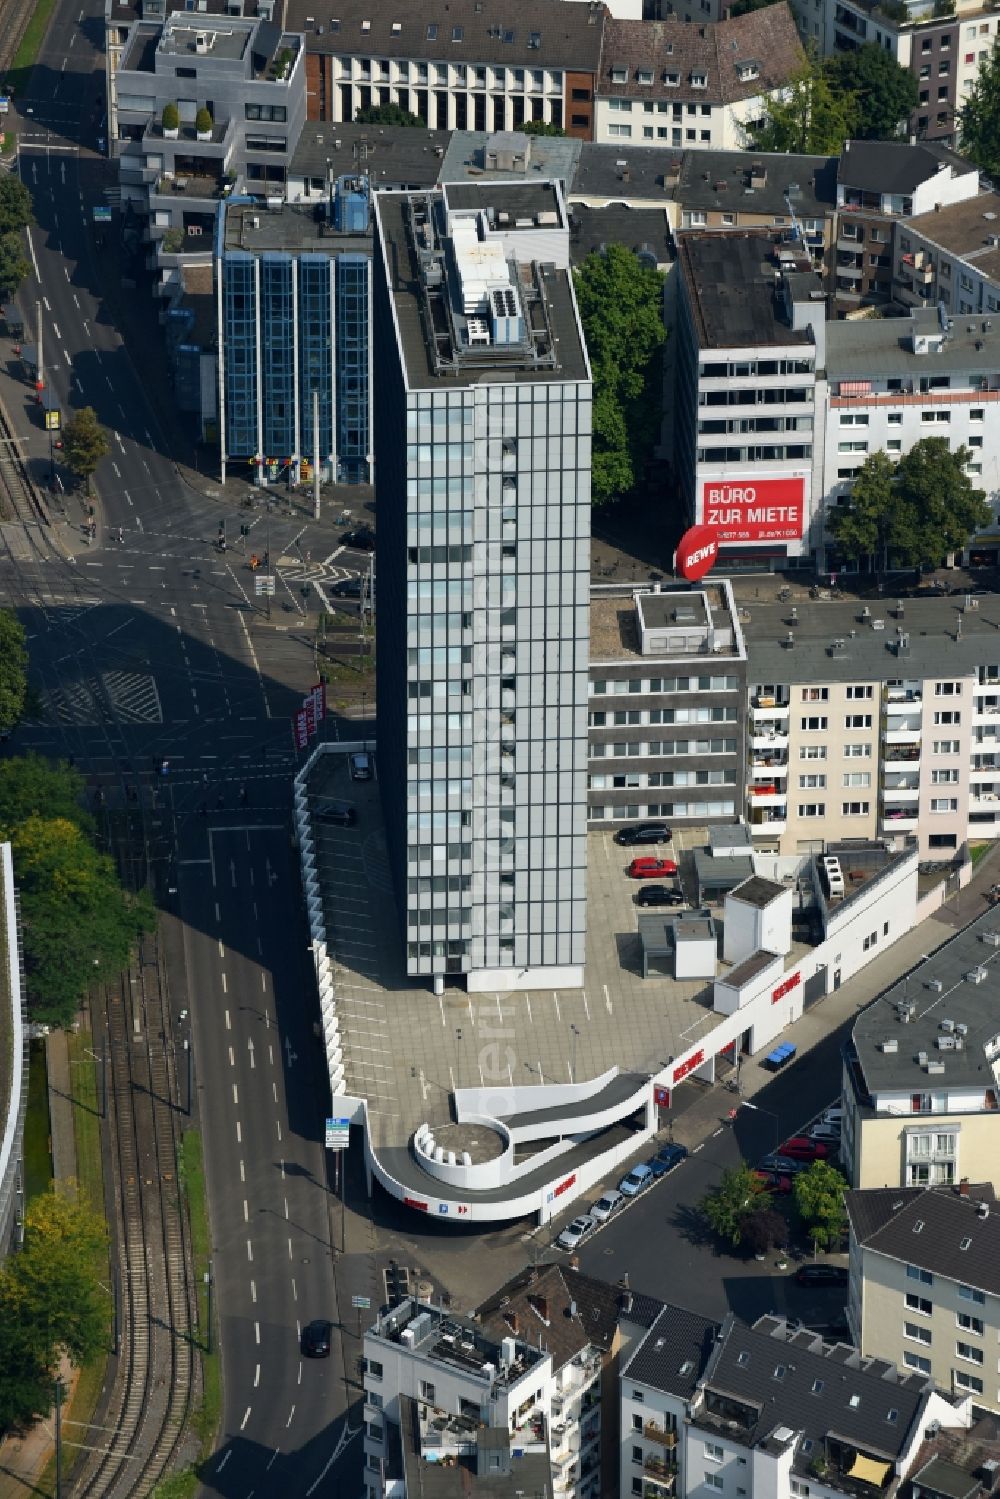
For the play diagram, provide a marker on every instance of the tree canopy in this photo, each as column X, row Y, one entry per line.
column 13, row 670
column 621, row 308
column 50, row 1304
column 15, row 205
column 85, row 443
column 913, row 513
column 13, row 263
column 738, row 1197
column 884, row 93
column 541, row 127
column 979, row 116
column 387, row 114
column 31, row 786
column 815, row 117
column 819, row 1199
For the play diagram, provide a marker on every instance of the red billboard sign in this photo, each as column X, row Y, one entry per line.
column 414, row 1202
column 693, row 1061
column 786, row 986
column 754, row 509
column 661, row 1096
column 697, row 551
column 300, row 729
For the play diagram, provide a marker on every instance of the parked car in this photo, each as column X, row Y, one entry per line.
column 606, row 1206
column 360, row 766
column 782, row 1164
column 316, row 1338
column 801, row 1148
column 666, row 1159
column 821, row 1275
column 649, row 867
column 643, row 832
column 658, row 895
column 574, row 1233
column 341, row 814
column 834, row 1115
column 360, row 540
column 346, row 588
column 775, row 1182
column 637, row 1180
column 828, row 1133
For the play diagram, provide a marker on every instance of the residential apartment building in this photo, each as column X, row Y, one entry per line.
column 751, row 318
column 951, row 257
column 294, row 338
column 667, row 704
column 693, row 83
column 871, row 720
column 920, row 1072
column 441, row 1394
column 491, row 69
column 769, row 1410
column 942, row 46
column 249, row 75
column 483, row 422
column 925, row 1284
column 587, row 1327
column 878, row 184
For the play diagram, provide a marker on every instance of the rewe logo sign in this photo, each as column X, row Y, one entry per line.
column 697, row 551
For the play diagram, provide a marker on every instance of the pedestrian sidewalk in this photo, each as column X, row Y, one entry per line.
column 62, row 1130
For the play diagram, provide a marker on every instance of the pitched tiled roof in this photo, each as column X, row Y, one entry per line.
column 896, row 166
column 565, row 1309
column 936, row 1228
column 503, row 31
column 740, row 58
column 673, row 1354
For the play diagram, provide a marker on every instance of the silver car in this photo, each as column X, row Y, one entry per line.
column 574, row 1233
column 607, row 1205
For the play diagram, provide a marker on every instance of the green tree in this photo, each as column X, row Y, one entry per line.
column 884, row 92
column 862, row 523
column 77, row 921
column 85, row 443
column 913, row 514
column 203, row 120
column 979, row 117
column 13, row 670
column 15, row 205
column 170, row 119
column 819, row 1199
column 763, row 1228
column 50, row 1304
column 31, row 786
column 621, row 308
column 739, row 1195
column 814, row 118
column 387, row 114
column 13, row 262
column 541, row 127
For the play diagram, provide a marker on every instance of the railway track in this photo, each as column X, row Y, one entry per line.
column 14, row 17
column 139, row 1427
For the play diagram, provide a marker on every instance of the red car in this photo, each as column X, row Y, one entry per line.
column 775, row 1182
column 799, row 1148
column 649, row 867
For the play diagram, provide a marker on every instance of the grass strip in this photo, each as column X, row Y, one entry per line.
column 18, row 76
column 37, row 1152
column 191, row 1172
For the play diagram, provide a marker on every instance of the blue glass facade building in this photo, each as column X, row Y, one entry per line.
column 294, row 311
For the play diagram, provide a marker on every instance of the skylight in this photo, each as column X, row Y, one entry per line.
column 817, row 1386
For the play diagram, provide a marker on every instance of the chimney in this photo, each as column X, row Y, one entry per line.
column 541, row 1305
column 511, row 1320
column 625, row 1302
column 963, row 1187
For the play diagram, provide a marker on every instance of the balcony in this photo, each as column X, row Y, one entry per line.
column 657, row 1488
column 768, row 821
column 898, row 819
column 903, row 754
column 769, row 796
column 766, row 710
column 985, row 766
column 904, row 731
column 986, row 715
column 903, row 692
column 902, row 789
column 770, row 766
column 654, row 1433
column 768, row 741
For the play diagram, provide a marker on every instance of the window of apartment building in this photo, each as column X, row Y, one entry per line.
column 860, row 693
column 944, row 803
column 969, row 1352
column 816, row 724
column 916, row 1361
column 636, row 1422
column 968, row 1323
column 917, row 1272
column 797, row 1488
column 894, row 445
column 915, row 1303
column 862, row 778
column 947, row 689
column 969, row 1293
column 917, row 1333
column 815, row 694
column 946, row 746
column 895, row 418
column 374, row 1368
column 930, row 418
column 427, row 1391
column 812, row 809
column 714, row 1481
column 944, row 777
column 975, row 442
column 854, row 418
column 812, row 751
column 870, row 941
column 947, row 715
column 637, row 1454
column 620, row 130
column 374, row 1398
column 858, row 721
column 857, row 446
column 855, row 809
column 714, row 1452
column 814, row 782
column 970, row 1382
column 857, row 751
column 977, row 414
column 637, row 1487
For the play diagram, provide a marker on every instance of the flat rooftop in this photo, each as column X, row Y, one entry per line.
column 614, row 620
column 937, row 994
column 884, row 346
column 454, row 1341
column 729, row 279
column 523, row 1474
column 944, row 639
column 227, row 37
column 258, row 229
column 521, row 200
column 425, row 318
column 392, row 155
column 965, row 229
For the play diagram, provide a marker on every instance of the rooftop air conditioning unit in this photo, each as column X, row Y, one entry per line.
column 983, row 1209
column 934, row 984
column 945, row 1043
column 935, row 1067
column 890, row 1044
column 992, row 939
column 947, row 1026
column 975, row 976
column 961, row 1029
column 921, row 1059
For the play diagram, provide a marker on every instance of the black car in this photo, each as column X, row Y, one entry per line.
column 658, row 895
column 341, row 814
column 821, row 1275
column 361, row 540
column 347, row 588
column 316, row 1338
column 782, row 1164
column 643, row 832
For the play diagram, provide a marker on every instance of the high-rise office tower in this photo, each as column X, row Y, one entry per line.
column 482, row 460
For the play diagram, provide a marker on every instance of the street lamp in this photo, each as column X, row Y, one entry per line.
column 574, row 1031
column 208, row 1287
column 758, row 1109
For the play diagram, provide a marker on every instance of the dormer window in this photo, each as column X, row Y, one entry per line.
column 366, row 25
column 672, row 79
column 748, row 71
column 699, row 80
column 644, row 76
column 619, row 75
column 397, row 27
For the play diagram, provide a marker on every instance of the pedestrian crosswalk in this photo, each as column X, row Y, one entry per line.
column 134, row 696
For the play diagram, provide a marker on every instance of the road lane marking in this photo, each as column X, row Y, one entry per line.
column 245, row 1419
column 224, row 986
column 55, row 329
column 229, row 1023
column 253, row 1292
column 291, row 1413
column 246, row 1211
column 236, row 1097
column 243, row 1171
column 250, row 1249
column 256, row 1377
column 222, row 950
column 256, row 1329
column 224, row 1460
column 34, row 262
column 239, row 1133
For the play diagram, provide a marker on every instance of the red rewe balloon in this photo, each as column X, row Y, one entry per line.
column 697, row 551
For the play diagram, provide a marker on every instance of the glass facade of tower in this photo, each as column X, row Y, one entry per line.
column 353, row 299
